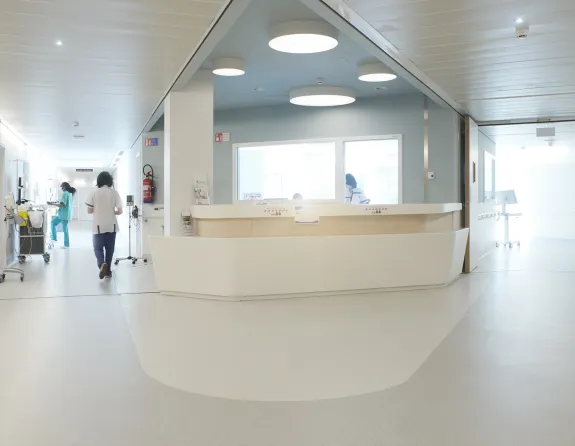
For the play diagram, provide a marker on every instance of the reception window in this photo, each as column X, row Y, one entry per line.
column 376, row 166
column 280, row 171
column 315, row 170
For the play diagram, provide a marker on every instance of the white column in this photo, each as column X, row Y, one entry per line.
column 189, row 147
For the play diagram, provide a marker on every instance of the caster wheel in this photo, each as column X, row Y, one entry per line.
column 145, row 260
column 497, row 245
column 116, row 263
column 133, row 262
column 2, row 278
column 22, row 278
column 46, row 258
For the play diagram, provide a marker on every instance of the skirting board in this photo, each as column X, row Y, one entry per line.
column 306, row 295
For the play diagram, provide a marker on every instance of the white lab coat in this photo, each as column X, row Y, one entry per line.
column 355, row 196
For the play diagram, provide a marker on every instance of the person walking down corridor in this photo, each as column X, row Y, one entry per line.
column 65, row 207
column 105, row 204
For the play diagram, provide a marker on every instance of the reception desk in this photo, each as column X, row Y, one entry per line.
column 245, row 252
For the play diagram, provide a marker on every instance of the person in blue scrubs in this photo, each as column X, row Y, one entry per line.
column 65, row 207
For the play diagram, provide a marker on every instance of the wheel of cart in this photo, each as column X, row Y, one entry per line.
column 46, row 257
column 21, row 260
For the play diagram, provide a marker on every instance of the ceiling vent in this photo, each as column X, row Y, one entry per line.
column 545, row 132
column 77, row 137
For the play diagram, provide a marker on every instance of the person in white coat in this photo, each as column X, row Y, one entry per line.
column 105, row 205
column 354, row 195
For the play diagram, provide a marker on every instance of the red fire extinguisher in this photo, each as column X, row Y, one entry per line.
column 148, row 184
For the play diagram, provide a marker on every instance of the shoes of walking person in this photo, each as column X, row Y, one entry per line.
column 103, row 271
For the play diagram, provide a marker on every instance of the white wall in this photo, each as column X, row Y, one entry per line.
column 485, row 230
column 544, row 181
column 394, row 115
column 82, row 195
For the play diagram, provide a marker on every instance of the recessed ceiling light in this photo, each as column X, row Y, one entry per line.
column 228, row 67
column 519, row 21
column 322, row 96
column 375, row 72
column 59, row 43
column 303, row 37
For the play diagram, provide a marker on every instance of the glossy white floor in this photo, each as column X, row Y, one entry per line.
column 487, row 361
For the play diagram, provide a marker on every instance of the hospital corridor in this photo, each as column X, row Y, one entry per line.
column 287, row 222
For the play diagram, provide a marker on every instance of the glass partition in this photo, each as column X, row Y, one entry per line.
column 281, row 171
column 376, row 166
column 316, row 170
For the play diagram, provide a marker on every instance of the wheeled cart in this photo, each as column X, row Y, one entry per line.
column 32, row 237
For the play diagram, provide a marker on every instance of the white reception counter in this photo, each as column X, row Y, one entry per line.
column 244, row 252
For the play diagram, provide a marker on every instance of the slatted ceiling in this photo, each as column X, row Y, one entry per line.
column 118, row 59
column 469, row 49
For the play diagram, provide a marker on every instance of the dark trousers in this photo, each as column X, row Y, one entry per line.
column 104, row 245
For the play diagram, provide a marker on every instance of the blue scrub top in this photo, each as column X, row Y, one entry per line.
column 65, row 212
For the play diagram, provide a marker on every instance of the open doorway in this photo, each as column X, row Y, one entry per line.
column 536, row 162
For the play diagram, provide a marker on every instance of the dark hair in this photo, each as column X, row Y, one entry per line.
column 66, row 186
column 350, row 181
column 105, row 179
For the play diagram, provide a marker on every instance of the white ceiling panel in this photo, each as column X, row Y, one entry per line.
column 469, row 49
column 117, row 60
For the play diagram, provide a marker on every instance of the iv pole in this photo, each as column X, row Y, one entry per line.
column 133, row 213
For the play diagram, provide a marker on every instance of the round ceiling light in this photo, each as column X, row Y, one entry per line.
column 375, row 72
column 303, row 37
column 322, row 96
column 228, row 67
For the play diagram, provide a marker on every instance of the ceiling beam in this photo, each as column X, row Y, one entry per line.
column 215, row 33
column 526, row 121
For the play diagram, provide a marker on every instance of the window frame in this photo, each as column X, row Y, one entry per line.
column 339, row 167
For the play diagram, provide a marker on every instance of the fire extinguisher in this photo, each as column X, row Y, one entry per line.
column 148, row 184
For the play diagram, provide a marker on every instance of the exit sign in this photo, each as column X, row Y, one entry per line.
column 151, row 142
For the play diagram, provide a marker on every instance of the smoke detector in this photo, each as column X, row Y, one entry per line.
column 522, row 30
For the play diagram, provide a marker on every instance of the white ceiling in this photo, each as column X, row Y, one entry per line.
column 118, row 59
column 469, row 49
column 525, row 135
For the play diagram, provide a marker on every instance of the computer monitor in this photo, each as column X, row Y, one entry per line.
column 506, row 197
